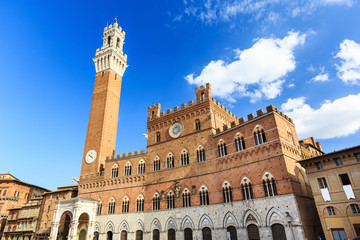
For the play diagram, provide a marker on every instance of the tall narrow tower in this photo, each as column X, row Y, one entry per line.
column 110, row 65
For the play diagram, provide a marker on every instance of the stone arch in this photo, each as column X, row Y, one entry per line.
column 230, row 220
column 140, row 225
column 337, row 210
column 170, row 223
column 251, row 217
column 110, row 227
column 155, row 224
column 187, row 222
column 97, row 227
column 258, row 127
column 205, row 221
column 124, row 226
column 274, row 216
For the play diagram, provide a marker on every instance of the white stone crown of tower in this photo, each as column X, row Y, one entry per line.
column 111, row 55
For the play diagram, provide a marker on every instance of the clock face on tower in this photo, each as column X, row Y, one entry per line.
column 90, row 156
column 176, row 129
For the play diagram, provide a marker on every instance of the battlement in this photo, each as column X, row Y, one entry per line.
column 126, row 155
column 250, row 117
column 203, row 93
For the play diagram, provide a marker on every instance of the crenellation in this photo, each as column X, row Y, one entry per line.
column 142, row 151
column 118, row 156
column 190, row 103
column 136, row 153
column 130, row 154
column 183, row 105
column 233, row 124
column 124, row 155
column 176, row 108
column 250, row 116
column 225, row 127
column 162, row 114
column 168, row 111
column 259, row 113
column 241, row 120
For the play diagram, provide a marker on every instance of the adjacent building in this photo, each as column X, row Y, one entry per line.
column 335, row 183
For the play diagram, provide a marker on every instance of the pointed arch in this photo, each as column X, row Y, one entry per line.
column 139, row 225
column 230, row 220
column 274, row 216
column 251, row 217
column 171, row 223
column 109, row 227
column 187, row 222
column 97, row 227
column 155, row 224
column 205, row 221
column 124, row 225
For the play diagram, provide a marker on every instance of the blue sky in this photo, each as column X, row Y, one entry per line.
column 301, row 56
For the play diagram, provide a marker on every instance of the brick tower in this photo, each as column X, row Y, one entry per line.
column 110, row 65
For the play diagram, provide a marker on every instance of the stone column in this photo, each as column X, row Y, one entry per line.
column 265, row 233
column 73, row 230
column 90, row 230
column 179, row 234
column 242, row 233
column 197, row 234
column 218, row 233
column 54, row 230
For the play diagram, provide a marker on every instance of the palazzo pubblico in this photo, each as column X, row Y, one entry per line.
column 205, row 174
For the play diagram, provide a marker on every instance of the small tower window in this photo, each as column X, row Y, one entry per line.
column 109, row 40
column 158, row 137
column 197, row 125
column 118, row 42
column 202, row 96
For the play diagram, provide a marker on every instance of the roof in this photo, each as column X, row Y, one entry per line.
column 10, row 177
column 332, row 153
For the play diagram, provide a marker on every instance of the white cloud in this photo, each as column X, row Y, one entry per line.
column 338, row 118
column 337, row 2
column 291, row 85
column 322, row 77
column 256, row 72
column 349, row 68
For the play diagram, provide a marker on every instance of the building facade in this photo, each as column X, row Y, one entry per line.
column 335, row 183
column 205, row 174
column 14, row 193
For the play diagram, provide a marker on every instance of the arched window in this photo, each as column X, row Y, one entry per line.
column 99, row 207
column 197, row 125
column 253, row 232
column 123, row 235
column 96, row 236
column 171, row 234
column 278, row 232
column 125, row 205
column 128, row 169
column 188, row 234
column 186, row 198
column 156, row 202
column 109, row 41
column 157, row 164
column 204, row 196
column 355, row 208
column 200, row 153
column 112, row 206
column 170, row 161
column 222, row 148
column 239, row 143
column 158, row 137
column 118, row 42
column 109, row 235
column 140, row 204
column 202, row 96
column 139, row 235
column 269, row 185
column 115, row 171
column 290, row 136
column 170, row 200
column 141, row 167
column 227, row 194
column 331, row 211
column 184, row 158
column 259, row 136
column 231, row 230
column 206, row 233
column 156, row 234
column 246, row 189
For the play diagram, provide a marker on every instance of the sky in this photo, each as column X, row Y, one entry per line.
column 303, row 57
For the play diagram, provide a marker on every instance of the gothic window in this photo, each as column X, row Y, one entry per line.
column 170, row 200
column 118, row 42
column 206, row 233
column 188, row 234
column 246, row 189
column 331, row 211
column 200, row 153
column 115, row 171
column 139, row 235
column 140, row 204
column 204, row 196
column 99, row 207
column 170, row 161
column 125, row 205
column 239, row 143
column 222, row 149
column 202, row 96
column 269, row 185
column 128, row 169
column 227, row 194
column 156, row 202
column 197, row 125
column 158, row 137
column 184, row 158
column 156, row 164
column 253, row 232
column 355, row 208
column 112, row 206
column 123, row 235
column 156, row 234
column 171, row 234
column 231, row 230
column 278, row 232
column 186, row 198
column 259, row 136
column 141, row 167
column 109, row 40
